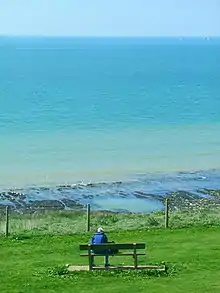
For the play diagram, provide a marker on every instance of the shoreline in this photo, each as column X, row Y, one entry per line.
column 178, row 201
column 143, row 194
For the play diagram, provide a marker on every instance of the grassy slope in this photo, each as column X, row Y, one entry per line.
column 194, row 251
column 66, row 222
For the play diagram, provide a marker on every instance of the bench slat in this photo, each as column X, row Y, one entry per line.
column 116, row 254
column 111, row 246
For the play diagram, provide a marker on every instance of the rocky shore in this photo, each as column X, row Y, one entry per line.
column 76, row 197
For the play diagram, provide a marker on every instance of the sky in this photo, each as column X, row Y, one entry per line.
column 110, row 17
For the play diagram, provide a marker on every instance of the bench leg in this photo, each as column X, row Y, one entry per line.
column 135, row 261
column 91, row 259
column 135, row 256
column 106, row 260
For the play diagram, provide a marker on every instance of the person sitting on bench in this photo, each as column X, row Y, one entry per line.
column 100, row 237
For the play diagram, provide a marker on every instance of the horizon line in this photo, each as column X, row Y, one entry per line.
column 110, row 36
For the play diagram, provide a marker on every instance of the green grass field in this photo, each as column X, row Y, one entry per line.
column 29, row 264
column 69, row 222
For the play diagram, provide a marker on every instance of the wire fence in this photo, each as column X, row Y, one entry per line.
column 178, row 212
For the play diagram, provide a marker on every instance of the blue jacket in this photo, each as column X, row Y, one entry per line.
column 99, row 238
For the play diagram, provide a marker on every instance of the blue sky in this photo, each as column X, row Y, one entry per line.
column 110, row 17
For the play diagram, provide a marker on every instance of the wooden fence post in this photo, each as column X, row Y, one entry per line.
column 7, row 221
column 88, row 218
column 166, row 213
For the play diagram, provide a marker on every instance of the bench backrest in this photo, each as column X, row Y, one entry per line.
column 112, row 246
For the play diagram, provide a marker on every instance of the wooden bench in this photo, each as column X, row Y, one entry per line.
column 122, row 251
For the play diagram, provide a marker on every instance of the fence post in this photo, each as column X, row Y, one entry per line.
column 7, row 221
column 88, row 218
column 166, row 213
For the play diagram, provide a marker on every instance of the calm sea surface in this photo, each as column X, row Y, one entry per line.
column 90, row 110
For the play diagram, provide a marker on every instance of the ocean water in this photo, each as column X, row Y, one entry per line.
column 104, row 109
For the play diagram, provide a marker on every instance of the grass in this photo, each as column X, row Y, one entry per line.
column 66, row 222
column 30, row 264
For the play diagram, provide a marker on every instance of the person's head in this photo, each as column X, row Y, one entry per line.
column 100, row 230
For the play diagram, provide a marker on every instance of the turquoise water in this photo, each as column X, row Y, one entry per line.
column 91, row 110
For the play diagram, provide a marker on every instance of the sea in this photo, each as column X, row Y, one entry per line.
column 144, row 112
